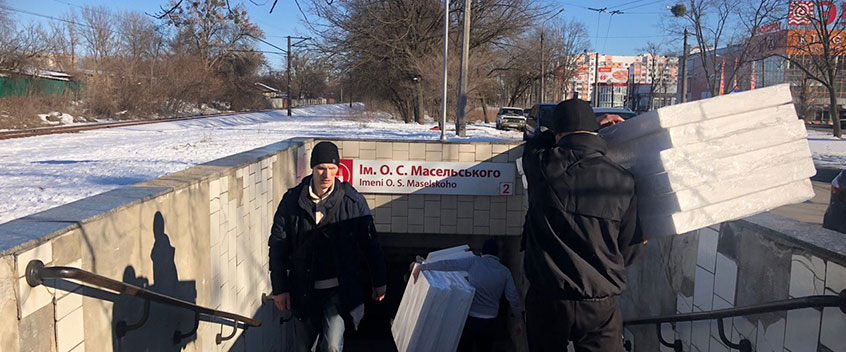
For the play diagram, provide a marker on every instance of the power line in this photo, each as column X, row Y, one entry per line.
column 642, row 5
column 627, row 3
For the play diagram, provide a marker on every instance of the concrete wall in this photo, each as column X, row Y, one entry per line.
column 756, row 260
column 200, row 235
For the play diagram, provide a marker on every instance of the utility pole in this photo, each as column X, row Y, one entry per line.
column 541, row 96
column 460, row 123
column 596, row 81
column 288, row 71
column 684, row 69
column 446, row 51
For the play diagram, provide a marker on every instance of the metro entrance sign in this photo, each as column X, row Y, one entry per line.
column 423, row 177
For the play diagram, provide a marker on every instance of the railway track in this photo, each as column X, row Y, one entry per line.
column 95, row 126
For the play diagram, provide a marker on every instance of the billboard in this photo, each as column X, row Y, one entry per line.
column 613, row 75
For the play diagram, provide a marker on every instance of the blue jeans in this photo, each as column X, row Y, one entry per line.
column 323, row 329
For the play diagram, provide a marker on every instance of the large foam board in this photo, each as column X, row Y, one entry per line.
column 732, row 209
column 628, row 152
column 715, row 192
column 695, row 173
column 432, row 311
column 720, row 148
column 700, row 110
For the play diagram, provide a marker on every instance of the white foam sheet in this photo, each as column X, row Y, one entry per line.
column 432, row 312
column 714, row 192
column 693, row 173
column 714, row 160
column 700, row 110
column 627, row 152
column 748, row 205
column 456, row 252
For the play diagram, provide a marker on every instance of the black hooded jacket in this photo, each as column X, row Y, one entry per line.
column 581, row 229
column 345, row 239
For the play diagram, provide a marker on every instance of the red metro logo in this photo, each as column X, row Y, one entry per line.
column 345, row 170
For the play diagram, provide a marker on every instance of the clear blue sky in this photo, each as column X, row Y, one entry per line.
column 627, row 32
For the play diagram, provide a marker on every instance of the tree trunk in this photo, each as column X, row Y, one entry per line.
column 418, row 103
column 833, row 113
column 485, row 110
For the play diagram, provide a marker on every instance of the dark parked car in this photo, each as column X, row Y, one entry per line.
column 624, row 113
column 835, row 215
column 540, row 116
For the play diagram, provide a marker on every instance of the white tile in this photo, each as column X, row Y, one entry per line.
column 717, row 346
column 742, row 328
column 43, row 252
column 771, row 338
column 684, row 304
column 833, row 329
column 701, row 336
column 720, row 303
column 703, row 289
column 32, row 298
column 669, row 335
column 684, row 331
column 70, row 331
column 707, row 255
column 68, row 303
column 214, row 189
column 725, row 279
column 835, row 277
column 803, row 327
column 807, row 276
column 79, row 348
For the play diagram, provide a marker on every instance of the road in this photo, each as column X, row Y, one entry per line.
column 811, row 211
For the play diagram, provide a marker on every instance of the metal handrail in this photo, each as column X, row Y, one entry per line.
column 775, row 306
column 743, row 345
column 36, row 273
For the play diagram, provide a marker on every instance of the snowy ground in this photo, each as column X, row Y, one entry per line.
column 42, row 172
column 829, row 151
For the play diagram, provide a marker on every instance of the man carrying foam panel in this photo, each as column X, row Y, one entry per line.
column 581, row 232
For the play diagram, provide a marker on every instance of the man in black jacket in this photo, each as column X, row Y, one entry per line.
column 322, row 231
column 581, row 232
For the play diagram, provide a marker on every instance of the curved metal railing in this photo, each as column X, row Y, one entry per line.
column 743, row 345
column 36, row 273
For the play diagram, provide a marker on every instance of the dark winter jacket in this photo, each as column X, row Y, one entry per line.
column 346, row 236
column 581, row 228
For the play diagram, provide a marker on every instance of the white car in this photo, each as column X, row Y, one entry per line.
column 509, row 117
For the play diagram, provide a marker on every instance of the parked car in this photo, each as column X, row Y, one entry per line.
column 835, row 215
column 540, row 117
column 624, row 113
column 509, row 117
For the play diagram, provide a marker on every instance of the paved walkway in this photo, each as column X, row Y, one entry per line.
column 811, row 211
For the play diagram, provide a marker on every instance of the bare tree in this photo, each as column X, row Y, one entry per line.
column 211, row 29
column 98, row 32
column 726, row 23
column 400, row 39
column 658, row 68
column 818, row 51
column 566, row 45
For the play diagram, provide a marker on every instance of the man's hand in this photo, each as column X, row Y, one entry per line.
column 608, row 120
column 282, row 301
column 518, row 329
column 379, row 293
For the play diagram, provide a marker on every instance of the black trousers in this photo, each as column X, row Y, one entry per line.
column 593, row 326
column 478, row 335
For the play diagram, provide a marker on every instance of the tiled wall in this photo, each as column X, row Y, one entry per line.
column 446, row 214
column 737, row 264
column 201, row 235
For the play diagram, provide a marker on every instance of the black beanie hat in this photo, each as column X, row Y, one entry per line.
column 574, row 115
column 324, row 153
